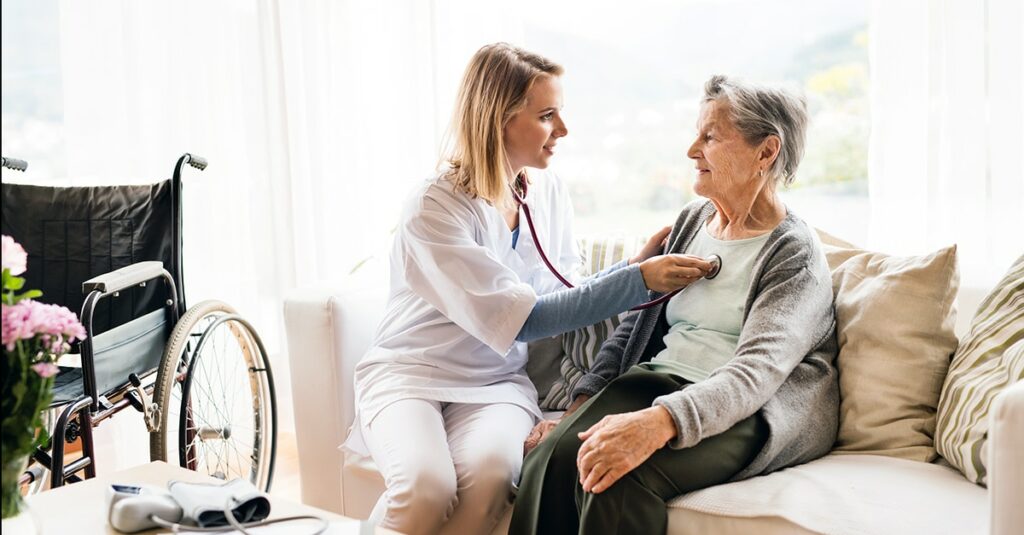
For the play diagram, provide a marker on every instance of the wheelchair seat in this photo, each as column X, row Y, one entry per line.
column 68, row 386
column 134, row 347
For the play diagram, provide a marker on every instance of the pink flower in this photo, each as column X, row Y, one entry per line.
column 56, row 325
column 45, row 369
column 14, row 257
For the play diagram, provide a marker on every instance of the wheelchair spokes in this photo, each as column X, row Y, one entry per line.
column 218, row 413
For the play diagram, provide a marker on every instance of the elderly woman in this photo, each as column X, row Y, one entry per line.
column 732, row 378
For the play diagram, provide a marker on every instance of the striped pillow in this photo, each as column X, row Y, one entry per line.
column 581, row 346
column 989, row 359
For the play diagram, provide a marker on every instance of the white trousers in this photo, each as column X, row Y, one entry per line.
column 448, row 467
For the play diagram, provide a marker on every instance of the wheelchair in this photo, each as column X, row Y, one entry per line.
column 200, row 376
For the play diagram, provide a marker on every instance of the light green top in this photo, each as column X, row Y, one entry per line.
column 705, row 319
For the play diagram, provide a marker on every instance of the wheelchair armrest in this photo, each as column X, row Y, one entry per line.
column 125, row 277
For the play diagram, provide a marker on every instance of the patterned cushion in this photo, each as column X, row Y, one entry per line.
column 581, row 346
column 989, row 359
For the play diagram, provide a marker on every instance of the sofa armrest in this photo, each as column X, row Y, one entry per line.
column 1006, row 461
column 328, row 331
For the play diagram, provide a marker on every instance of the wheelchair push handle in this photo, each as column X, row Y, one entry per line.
column 193, row 160
column 16, row 164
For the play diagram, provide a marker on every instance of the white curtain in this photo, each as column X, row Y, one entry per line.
column 947, row 131
column 316, row 118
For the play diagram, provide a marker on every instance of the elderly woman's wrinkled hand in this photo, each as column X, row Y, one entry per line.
column 619, row 443
column 655, row 246
column 538, row 434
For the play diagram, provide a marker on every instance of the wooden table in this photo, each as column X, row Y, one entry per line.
column 81, row 508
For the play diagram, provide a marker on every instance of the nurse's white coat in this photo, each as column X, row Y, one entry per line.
column 459, row 296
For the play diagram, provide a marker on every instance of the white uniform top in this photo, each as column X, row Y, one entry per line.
column 459, row 296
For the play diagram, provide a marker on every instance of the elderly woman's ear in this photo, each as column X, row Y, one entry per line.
column 770, row 148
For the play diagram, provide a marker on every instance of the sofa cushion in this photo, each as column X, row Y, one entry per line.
column 990, row 358
column 895, row 318
column 581, row 346
column 848, row 494
column 544, row 364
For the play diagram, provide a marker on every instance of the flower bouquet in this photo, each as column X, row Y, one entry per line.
column 34, row 336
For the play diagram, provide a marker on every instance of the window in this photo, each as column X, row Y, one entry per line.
column 633, row 82
column 33, row 100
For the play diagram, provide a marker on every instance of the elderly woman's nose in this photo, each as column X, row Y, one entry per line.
column 693, row 152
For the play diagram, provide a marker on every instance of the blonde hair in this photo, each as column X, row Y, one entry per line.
column 493, row 90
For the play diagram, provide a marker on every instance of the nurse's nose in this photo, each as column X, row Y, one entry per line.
column 560, row 129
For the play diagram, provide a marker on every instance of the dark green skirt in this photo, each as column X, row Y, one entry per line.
column 551, row 499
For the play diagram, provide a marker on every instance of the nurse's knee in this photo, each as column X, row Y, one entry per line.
column 494, row 469
column 427, row 494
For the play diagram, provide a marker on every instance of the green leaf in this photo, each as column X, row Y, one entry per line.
column 31, row 294
column 14, row 283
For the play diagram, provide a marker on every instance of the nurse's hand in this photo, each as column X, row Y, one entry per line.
column 666, row 273
column 541, row 430
column 619, row 443
column 654, row 246
column 539, row 433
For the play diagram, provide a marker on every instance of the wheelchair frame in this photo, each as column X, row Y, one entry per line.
column 79, row 417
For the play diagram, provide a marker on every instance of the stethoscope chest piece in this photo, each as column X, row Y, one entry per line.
column 716, row 266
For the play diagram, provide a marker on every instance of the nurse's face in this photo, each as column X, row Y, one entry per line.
column 531, row 134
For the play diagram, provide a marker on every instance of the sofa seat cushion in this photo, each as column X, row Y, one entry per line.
column 842, row 493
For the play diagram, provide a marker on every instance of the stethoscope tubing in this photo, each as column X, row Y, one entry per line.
column 521, row 201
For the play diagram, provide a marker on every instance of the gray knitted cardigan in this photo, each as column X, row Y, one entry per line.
column 784, row 364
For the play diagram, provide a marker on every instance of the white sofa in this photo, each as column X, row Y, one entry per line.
column 328, row 331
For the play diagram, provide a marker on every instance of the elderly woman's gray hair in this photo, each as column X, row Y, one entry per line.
column 758, row 112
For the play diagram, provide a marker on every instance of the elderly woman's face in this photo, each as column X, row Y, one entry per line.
column 725, row 162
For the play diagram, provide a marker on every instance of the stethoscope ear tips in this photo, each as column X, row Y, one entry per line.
column 716, row 266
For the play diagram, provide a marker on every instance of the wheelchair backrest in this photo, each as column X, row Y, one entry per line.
column 72, row 234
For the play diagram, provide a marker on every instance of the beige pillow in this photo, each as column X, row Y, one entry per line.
column 895, row 319
column 990, row 359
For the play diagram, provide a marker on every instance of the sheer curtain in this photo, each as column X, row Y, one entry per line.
column 947, row 131
column 316, row 118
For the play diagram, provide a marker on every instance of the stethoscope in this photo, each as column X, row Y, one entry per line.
column 715, row 260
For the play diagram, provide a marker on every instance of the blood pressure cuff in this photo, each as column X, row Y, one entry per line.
column 204, row 504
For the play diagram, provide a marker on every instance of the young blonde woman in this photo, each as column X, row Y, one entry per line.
column 443, row 400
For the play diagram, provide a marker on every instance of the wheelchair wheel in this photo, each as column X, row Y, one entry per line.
column 215, row 390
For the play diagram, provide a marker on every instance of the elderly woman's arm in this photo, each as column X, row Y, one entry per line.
column 792, row 314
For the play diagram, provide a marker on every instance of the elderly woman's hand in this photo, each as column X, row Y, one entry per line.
column 654, row 246
column 619, row 443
